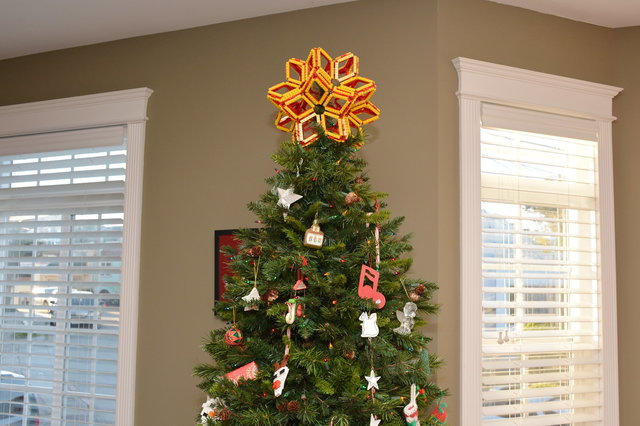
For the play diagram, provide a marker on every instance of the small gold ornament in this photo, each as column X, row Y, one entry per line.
column 314, row 236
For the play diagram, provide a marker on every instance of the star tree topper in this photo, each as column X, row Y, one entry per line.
column 324, row 92
column 373, row 421
column 372, row 380
column 287, row 197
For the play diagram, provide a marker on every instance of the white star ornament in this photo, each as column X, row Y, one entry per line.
column 287, row 197
column 372, row 380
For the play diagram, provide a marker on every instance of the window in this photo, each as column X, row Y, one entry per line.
column 70, row 179
column 539, row 340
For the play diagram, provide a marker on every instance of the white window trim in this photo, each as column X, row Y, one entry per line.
column 128, row 107
column 480, row 82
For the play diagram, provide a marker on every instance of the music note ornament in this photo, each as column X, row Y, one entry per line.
column 370, row 291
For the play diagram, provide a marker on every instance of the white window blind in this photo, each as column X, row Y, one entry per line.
column 541, row 289
column 538, row 337
column 61, row 232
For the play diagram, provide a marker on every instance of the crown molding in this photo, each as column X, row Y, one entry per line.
column 534, row 90
column 104, row 109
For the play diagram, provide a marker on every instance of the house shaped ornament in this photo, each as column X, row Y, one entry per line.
column 314, row 237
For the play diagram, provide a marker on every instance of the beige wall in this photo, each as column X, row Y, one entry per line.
column 626, row 152
column 210, row 136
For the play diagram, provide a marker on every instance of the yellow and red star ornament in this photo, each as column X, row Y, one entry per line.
column 325, row 91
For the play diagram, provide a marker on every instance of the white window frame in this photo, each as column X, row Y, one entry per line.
column 123, row 107
column 480, row 82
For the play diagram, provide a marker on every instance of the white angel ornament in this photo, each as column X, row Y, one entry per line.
column 406, row 318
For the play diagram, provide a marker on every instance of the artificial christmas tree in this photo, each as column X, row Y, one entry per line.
column 321, row 311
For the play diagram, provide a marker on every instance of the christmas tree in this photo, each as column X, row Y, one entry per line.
column 321, row 309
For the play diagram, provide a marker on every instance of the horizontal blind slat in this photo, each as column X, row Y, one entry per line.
column 88, row 245
column 85, row 139
column 107, row 175
column 51, row 191
column 535, row 392
column 31, row 224
column 506, row 410
column 492, row 319
column 549, row 420
column 541, row 290
column 504, row 117
column 587, row 358
column 538, row 304
column 538, row 348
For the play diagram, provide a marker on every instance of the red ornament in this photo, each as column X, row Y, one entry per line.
column 233, row 336
column 370, row 291
column 246, row 372
column 439, row 413
column 299, row 285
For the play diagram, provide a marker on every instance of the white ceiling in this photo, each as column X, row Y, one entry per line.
column 31, row 26
column 606, row 13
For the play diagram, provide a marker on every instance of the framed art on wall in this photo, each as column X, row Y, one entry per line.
column 223, row 237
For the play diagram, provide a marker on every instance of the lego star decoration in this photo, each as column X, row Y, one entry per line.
column 323, row 92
